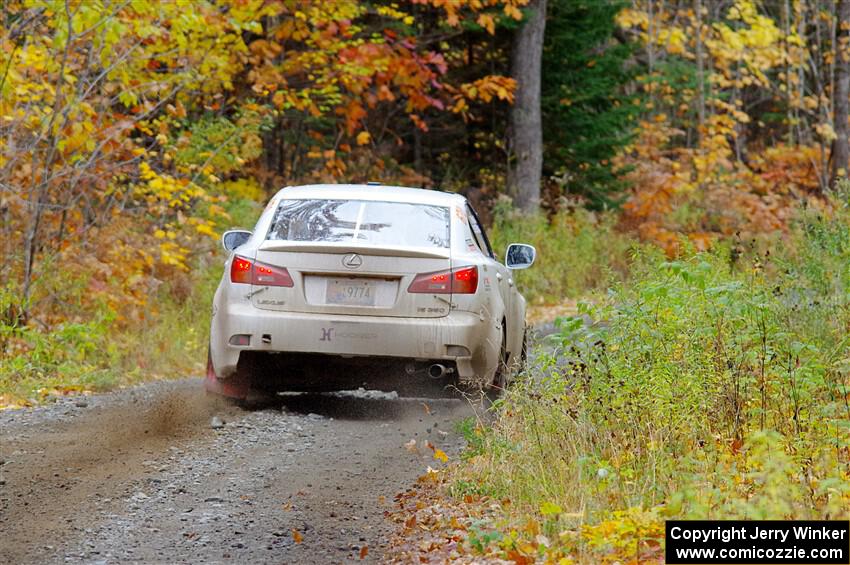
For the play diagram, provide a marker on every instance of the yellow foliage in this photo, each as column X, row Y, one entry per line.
column 633, row 535
column 673, row 39
column 631, row 17
column 243, row 188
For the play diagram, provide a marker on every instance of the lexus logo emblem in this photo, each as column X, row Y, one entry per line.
column 352, row 261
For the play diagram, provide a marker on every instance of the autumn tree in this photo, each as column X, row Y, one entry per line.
column 124, row 125
column 83, row 85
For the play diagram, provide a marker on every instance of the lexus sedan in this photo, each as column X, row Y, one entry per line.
column 343, row 286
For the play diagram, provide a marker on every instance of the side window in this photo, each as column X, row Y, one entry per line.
column 475, row 237
column 479, row 233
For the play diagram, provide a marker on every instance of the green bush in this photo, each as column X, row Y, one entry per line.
column 705, row 387
column 577, row 252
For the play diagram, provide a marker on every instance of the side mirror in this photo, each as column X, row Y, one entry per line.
column 520, row 256
column 234, row 238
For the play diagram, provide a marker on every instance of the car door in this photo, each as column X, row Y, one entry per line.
column 504, row 281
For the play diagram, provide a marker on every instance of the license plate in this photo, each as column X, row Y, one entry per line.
column 351, row 292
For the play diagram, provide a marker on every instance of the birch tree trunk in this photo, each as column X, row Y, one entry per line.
column 526, row 124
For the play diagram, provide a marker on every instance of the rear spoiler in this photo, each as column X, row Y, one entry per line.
column 343, row 248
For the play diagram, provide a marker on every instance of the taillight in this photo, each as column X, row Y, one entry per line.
column 461, row 281
column 240, row 270
column 269, row 275
column 252, row 272
column 465, row 281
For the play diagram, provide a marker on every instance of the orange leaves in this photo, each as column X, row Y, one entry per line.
column 339, row 72
column 721, row 196
column 701, row 240
column 657, row 177
column 489, row 87
column 353, row 114
column 265, row 49
column 488, row 22
column 483, row 90
column 346, row 62
column 783, row 168
column 518, row 558
column 457, row 10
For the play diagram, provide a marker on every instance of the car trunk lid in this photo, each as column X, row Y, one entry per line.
column 335, row 278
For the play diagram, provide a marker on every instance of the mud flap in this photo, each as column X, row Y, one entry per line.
column 237, row 387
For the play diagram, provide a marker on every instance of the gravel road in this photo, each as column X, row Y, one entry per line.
column 161, row 473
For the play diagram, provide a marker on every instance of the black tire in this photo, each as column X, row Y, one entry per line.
column 251, row 372
column 239, row 390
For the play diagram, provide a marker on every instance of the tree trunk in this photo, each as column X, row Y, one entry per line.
column 841, row 103
column 526, row 123
column 700, row 70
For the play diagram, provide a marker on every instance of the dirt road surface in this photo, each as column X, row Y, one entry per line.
column 144, row 476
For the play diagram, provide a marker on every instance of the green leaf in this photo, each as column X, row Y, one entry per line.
column 550, row 509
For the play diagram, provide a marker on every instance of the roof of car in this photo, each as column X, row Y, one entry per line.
column 371, row 192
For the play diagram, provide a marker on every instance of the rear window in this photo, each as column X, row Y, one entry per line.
column 361, row 221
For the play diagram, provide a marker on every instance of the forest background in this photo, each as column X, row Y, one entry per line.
column 678, row 164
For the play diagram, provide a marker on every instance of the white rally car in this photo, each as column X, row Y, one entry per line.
column 341, row 286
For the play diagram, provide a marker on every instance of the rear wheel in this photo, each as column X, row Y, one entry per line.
column 237, row 389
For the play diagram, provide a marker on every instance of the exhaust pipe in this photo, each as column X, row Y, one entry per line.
column 437, row 371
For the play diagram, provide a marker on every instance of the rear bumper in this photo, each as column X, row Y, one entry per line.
column 369, row 336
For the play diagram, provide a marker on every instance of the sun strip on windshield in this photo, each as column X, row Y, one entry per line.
column 359, row 220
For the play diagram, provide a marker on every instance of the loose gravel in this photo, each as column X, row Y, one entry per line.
column 161, row 473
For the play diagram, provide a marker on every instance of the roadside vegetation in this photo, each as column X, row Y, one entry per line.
column 683, row 186
column 580, row 252
column 709, row 386
column 103, row 342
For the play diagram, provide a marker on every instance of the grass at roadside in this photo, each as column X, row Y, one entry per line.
column 93, row 350
column 577, row 252
column 100, row 354
column 713, row 386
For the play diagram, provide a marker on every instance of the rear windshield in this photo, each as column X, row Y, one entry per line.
column 361, row 221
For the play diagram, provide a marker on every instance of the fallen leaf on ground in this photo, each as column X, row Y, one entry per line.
column 296, row 536
column 364, row 551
